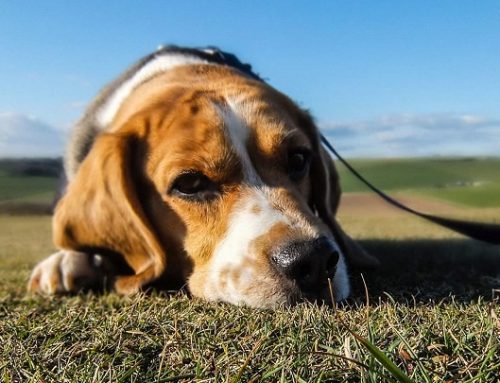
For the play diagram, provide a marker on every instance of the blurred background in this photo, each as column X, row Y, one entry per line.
column 409, row 91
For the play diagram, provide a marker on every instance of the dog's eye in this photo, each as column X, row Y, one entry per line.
column 298, row 163
column 194, row 185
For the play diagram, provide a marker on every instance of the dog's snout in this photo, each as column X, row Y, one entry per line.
column 309, row 263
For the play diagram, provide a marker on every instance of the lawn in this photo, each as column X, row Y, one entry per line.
column 433, row 311
column 27, row 189
column 26, row 194
column 468, row 181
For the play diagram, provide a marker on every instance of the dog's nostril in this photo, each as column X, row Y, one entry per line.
column 309, row 263
column 331, row 264
column 303, row 272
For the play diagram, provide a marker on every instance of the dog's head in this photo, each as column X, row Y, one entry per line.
column 213, row 178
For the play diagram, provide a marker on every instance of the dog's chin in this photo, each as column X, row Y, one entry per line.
column 287, row 299
column 285, row 295
column 263, row 290
column 323, row 295
column 288, row 293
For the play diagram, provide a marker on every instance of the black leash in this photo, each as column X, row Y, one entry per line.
column 486, row 232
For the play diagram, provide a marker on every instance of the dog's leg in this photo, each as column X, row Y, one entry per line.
column 67, row 272
column 130, row 284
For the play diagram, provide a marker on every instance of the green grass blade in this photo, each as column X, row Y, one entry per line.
column 422, row 368
column 394, row 370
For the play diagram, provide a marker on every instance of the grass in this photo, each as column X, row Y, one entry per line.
column 27, row 189
column 159, row 338
column 433, row 312
column 469, row 181
column 24, row 195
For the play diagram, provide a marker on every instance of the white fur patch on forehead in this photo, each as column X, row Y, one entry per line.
column 238, row 133
column 159, row 64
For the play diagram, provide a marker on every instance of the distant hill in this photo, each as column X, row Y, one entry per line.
column 30, row 185
column 26, row 167
column 469, row 181
column 23, row 136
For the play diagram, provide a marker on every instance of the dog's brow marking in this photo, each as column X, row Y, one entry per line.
column 238, row 133
column 107, row 112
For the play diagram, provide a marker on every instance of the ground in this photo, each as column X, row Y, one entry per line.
column 432, row 310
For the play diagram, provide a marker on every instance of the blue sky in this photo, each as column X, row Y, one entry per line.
column 383, row 78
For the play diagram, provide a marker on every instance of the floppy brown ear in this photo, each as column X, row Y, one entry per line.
column 326, row 198
column 101, row 210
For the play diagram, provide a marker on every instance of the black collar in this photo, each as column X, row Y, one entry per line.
column 212, row 55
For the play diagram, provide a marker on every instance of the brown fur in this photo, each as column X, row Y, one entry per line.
column 118, row 200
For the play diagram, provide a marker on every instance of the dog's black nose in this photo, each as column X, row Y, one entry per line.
column 309, row 263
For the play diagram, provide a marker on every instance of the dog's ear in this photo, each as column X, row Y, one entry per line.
column 101, row 209
column 325, row 200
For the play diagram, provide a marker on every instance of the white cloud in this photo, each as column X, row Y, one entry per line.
column 389, row 136
column 78, row 105
column 25, row 136
column 416, row 135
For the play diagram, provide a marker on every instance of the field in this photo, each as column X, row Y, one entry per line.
column 473, row 182
column 432, row 310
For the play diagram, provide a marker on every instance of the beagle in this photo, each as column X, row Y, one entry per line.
column 190, row 170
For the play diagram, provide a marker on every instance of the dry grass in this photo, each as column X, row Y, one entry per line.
column 432, row 312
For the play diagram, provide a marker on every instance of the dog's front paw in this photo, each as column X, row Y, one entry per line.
column 64, row 272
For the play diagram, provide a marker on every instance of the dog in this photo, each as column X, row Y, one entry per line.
column 189, row 169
